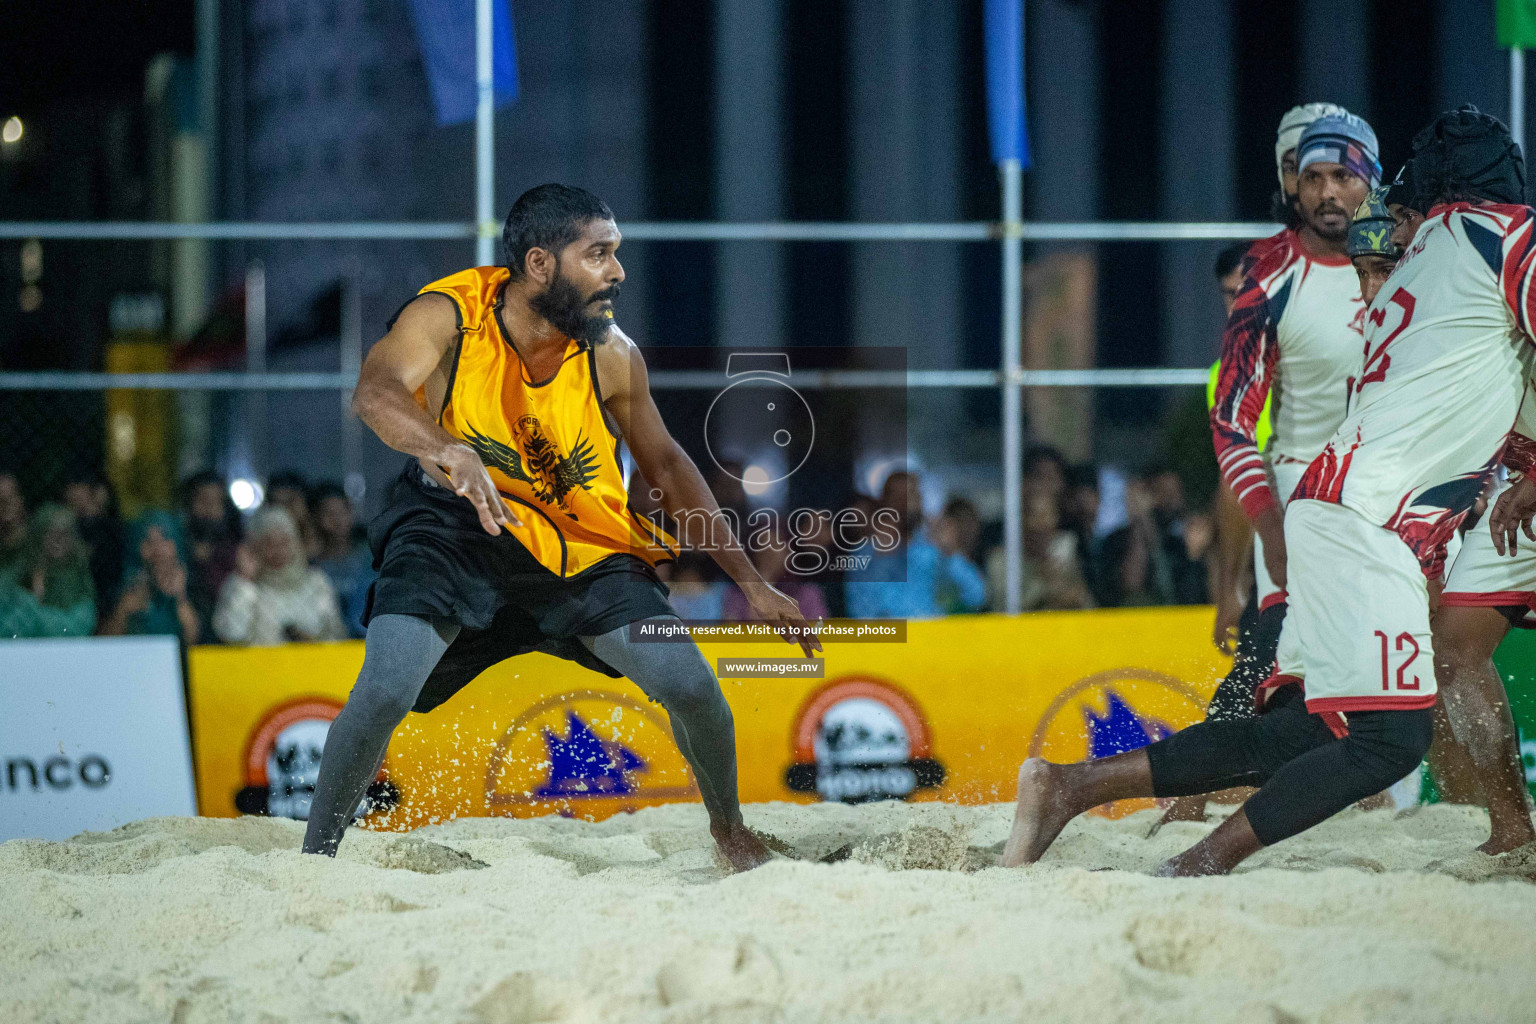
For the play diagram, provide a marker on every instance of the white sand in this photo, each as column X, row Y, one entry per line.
column 191, row 920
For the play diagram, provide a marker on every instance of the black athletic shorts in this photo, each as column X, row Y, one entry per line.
column 435, row 561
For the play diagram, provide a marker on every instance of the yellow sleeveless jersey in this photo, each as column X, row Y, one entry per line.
column 546, row 444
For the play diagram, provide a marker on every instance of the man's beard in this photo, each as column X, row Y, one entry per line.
column 564, row 307
column 1313, row 218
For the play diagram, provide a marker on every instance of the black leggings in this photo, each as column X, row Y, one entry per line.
column 1306, row 775
column 400, row 654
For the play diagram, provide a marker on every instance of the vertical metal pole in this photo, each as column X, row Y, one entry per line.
column 1517, row 96
column 256, row 362
column 1013, row 409
column 485, row 139
column 351, row 362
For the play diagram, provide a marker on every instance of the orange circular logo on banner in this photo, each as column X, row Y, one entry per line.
column 860, row 738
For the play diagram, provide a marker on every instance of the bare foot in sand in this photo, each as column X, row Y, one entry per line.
column 1041, row 814
column 1502, row 841
column 1509, row 822
column 1192, row 863
column 1232, row 842
column 742, row 848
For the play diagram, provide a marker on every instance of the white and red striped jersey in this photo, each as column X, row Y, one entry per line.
column 1446, row 364
column 1296, row 331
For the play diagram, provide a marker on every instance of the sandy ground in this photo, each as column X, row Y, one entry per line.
column 1370, row 917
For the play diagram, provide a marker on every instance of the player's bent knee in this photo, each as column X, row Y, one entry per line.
column 694, row 689
column 380, row 697
column 1392, row 742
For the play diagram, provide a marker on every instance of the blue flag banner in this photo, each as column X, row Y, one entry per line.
column 445, row 29
column 1005, row 80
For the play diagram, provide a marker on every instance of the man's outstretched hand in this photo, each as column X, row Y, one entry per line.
column 777, row 608
column 1511, row 515
column 466, row 476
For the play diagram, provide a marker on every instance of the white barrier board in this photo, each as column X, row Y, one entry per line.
column 93, row 734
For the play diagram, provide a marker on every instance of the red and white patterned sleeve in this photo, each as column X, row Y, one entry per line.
column 1517, row 276
column 1520, row 448
column 1249, row 353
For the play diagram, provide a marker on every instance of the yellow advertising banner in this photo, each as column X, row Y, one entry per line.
column 947, row 715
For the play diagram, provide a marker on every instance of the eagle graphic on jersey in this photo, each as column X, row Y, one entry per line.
column 552, row 476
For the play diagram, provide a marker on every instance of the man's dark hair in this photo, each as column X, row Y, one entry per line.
column 290, row 478
column 1037, row 455
column 1229, row 258
column 1084, row 474
column 323, row 490
column 548, row 217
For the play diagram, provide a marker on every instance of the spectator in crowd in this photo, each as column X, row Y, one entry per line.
column 1158, row 556
column 343, row 555
column 772, row 561
column 909, row 580
column 13, row 526
column 961, row 517
column 1052, row 575
column 53, row 595
column 693, row 594
column 274, row 596
column 1184, row 538
column 958, row 530
column 92, row 499
column 213, row 532
column 154, row 600
column 288, row 490
column 817, row 533
column 1080, row 516
column 1045, row 471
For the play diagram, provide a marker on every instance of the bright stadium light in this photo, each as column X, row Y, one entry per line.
column 756, row 480
column 12, row 131
column 246, row 494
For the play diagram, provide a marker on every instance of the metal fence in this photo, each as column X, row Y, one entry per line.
column 1010, row 233
column 59, row 420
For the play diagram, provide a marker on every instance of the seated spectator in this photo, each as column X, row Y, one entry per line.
column 1045, row 471
column 274, row 596
column 961, row 517
column 1052, row 576
column 1157, row 558
column 92, row 499
column 343, row 555
column 53, row 595
column 213, row 532
column 288, row 490
column 13, row 526
column 772, row 561
column 693, row 595
column 909, row 581
column 1080, row 516
column 154, row 600
column 956, row 530
column 1183, row 537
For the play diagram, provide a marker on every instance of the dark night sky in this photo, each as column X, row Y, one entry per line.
column 98, row 48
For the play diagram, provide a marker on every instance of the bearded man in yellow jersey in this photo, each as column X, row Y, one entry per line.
column 511, row 530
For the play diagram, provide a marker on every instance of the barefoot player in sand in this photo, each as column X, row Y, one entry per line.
column 1449, row 339
column 511, row 531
